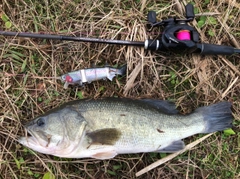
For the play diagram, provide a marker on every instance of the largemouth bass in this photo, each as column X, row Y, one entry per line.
column 106, row 127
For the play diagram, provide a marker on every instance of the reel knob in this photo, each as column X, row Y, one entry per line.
column 152, row 19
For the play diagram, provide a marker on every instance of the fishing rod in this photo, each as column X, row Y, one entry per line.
column 177, row 36
column 72, row 38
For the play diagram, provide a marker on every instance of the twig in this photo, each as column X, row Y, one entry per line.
column 229, row 88
column 132, row 77
column 233, row 67
column 207, row 14
column 171, row 156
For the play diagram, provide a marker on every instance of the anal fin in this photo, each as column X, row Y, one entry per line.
column 173, row 147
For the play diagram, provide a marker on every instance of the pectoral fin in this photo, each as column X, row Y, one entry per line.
column 104, row 155
column 107, row 136
column 173, row 147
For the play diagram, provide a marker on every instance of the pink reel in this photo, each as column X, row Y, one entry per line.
column 183, row 35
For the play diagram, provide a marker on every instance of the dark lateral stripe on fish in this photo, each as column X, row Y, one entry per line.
column 108, row 136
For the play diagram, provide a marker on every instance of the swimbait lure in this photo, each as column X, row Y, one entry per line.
column 88, row 75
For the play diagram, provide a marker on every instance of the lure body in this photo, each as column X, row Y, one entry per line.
column 91, row 74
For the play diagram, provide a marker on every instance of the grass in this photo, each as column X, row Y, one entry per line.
column 27, row 89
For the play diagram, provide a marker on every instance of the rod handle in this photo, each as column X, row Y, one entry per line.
column 211, row 49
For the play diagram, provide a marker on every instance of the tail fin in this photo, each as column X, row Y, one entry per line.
column 122, row 70
column 218, row 116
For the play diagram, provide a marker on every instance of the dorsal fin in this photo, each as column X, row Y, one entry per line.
column 166, row 107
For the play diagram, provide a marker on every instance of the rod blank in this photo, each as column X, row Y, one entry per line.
column 72, row 38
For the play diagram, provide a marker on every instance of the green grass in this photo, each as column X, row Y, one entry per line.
column 26, row 89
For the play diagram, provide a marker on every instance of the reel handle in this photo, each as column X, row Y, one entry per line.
column 189, row 9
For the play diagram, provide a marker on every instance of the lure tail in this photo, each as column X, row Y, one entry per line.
column 122, row 70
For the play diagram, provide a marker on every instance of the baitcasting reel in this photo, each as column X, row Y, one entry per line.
column 178, row 36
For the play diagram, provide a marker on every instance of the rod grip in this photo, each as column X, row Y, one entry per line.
column 211, row 49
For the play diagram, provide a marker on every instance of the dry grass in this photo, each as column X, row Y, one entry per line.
column 26, row 89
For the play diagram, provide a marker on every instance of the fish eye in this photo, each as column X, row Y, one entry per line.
column 40, row 121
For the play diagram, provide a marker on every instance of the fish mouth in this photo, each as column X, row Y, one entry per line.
column 34, row 141
column 26, row 138
column 29, row 139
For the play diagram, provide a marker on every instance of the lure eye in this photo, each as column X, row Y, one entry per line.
column 40, row 122
column 64, row 77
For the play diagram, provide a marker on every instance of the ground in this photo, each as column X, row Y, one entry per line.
column 28, row 86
